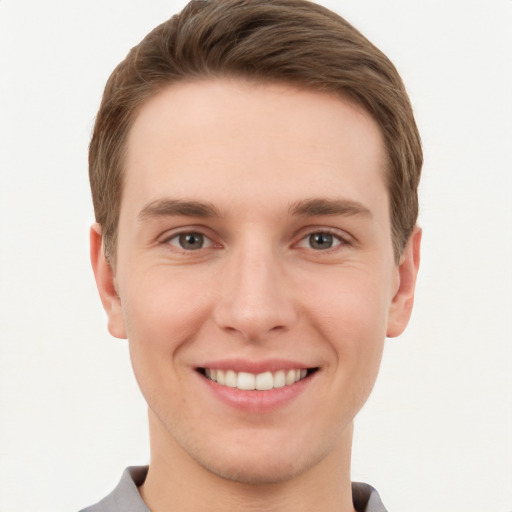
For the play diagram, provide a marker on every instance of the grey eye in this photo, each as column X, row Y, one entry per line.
column 321, row 241
column 191, row 241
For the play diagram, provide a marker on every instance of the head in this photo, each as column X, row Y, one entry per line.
column 294, row 42
column 254, row 168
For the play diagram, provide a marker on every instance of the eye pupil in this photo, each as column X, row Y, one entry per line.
column 191, row 241
column 321, row 240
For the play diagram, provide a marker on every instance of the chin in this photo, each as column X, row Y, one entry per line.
column 256, row 472
column 252, row 465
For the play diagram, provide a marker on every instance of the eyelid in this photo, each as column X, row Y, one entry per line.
column 207, row 242
column 343, row 238
column 169, row 235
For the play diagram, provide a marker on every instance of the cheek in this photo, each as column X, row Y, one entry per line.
column 351, row 316
column 163, row 309
column 161, row 316
column 162, row 313
column 351, row 307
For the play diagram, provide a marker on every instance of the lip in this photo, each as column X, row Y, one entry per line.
column 255, row 401
column 269, row 365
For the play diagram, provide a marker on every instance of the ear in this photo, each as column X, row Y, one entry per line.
column 105, row 281
column 401, row 305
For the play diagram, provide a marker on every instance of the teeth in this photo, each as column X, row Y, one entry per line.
column 246, row 381
column 290, row 377
column 264, row 381
column 250, row 381
column 231, row 379
column 279, row 379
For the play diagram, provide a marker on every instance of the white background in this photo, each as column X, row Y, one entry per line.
column 436, row 434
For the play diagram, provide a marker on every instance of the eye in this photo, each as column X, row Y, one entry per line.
column 320, row 241
column 190, row 241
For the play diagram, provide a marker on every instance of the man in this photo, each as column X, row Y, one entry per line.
column 254, row 169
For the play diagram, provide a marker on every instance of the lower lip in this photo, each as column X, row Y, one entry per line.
column 258, row 401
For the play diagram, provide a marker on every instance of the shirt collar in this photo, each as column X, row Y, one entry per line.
column 126, row 498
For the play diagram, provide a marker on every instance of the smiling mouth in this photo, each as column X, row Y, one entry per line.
column 262, row 381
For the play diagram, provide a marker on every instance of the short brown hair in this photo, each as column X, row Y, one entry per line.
column 291, row 41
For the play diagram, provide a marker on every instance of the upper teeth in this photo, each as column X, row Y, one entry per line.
column 260, row 381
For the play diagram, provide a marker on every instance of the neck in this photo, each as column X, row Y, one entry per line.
column 177, row 482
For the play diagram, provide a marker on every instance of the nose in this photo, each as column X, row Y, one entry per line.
column 255, row 298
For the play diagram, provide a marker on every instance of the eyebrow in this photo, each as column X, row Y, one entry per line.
column 316, row 206
column 307, row 207
column 170, row 207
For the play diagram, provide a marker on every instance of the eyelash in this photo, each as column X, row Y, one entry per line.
column 336, row 238
column 305, row 242
column 179, row 236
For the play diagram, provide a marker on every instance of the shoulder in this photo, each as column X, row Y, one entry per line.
column 366, row 498
column 125, row 497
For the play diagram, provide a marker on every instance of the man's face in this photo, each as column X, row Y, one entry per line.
column 254, row 250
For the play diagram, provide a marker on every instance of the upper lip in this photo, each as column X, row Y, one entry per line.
column 256, row 367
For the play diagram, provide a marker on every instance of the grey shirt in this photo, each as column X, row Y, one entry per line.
column 126, row 498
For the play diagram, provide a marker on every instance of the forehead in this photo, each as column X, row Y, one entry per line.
column 211, row 137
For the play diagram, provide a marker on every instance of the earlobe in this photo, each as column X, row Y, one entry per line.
column 402, row 303
column 105, row 281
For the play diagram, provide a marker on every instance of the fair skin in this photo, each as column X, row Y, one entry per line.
column 254, row 240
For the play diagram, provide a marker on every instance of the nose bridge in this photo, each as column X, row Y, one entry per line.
column 255, row 296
